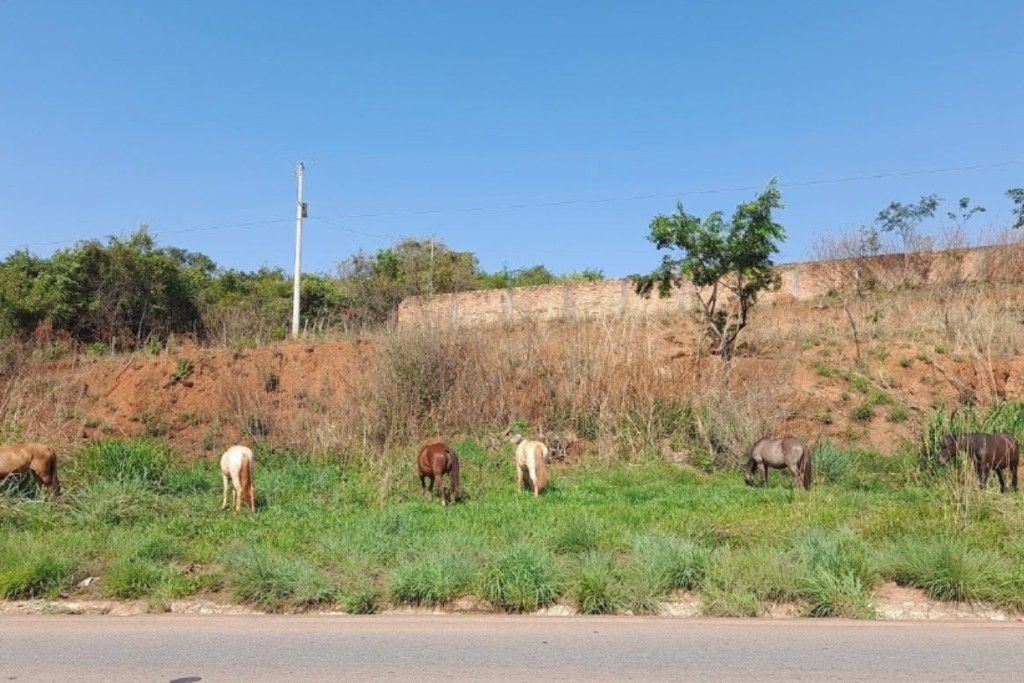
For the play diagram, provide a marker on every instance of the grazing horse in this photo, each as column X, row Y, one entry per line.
column 780, row 454
column 531, row 461
column 433, row 462
column 36, row 458
column 237, row 464
column 988, row 452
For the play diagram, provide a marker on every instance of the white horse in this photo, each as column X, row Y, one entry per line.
column 237, row 464
column 531, row 460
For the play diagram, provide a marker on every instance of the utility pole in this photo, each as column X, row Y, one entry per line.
column 300, row 213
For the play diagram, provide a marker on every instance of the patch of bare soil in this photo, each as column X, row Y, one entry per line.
column 899, row 603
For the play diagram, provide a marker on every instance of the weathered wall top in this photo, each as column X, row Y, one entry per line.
column 799, row 282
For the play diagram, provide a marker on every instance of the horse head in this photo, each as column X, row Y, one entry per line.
column 947, row 450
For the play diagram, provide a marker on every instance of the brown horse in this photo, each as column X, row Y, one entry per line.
column 433, row 462
column 785, row 453
column 988, row 452
column 36, row 458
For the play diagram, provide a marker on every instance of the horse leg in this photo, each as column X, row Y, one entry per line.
column 1002, row 482
column 533, row 478
column 764, row 473
column 224, row 503
column 442, row 489
column 519, row 478
column 982, row 475
column 236, row 484
column 794, row 468
column 1013, row 475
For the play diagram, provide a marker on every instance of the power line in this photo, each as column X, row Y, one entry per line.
column 352, row 230
column 156, row 233
column 666, row 195
column 530, row 205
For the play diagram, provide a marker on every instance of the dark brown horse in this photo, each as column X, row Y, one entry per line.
column 786, row 453
column 433, row 462
column 988, row 452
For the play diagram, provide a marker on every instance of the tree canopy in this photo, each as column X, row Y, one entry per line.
column 716, row 257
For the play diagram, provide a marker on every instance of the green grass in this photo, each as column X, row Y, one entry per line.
column 523, row 580
column 606, row 538
column 433, row 581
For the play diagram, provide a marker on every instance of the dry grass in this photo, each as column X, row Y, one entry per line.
column 623, row 385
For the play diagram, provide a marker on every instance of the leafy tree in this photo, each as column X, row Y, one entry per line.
column 375, row 285
column 21, row 308
column 964, row 211
column 905, row 219
column 718, row 258
column 1016, row 195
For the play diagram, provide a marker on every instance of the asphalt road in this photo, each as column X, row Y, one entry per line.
column 189, row 649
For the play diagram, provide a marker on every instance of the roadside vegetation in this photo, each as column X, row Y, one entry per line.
column 607, row 537
column 131, row 293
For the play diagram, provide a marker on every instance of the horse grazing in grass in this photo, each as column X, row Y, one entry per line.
column 433, row 462
column 237, row 464
column 36, row 458
column 786, row 453
column 988, row 452
column 531, row 461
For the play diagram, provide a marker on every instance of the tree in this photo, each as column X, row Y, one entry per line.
column 906, row 218
column 964, row 212
column 375, row 285
column 719, row 258
column 1016, row 195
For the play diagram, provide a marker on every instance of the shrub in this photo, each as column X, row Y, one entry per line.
column 133, row 578
column 143, row 462
column 823, row 415
column 35, row 577
column 743, row 582
column 863, row 412
column 945, row 569
column 595, row 586
column 272, row 581
column 836, row 576
column 361, row 600
column 671, row 563
column 523, row 580
column 837, row 595
column 579, row 535
column 432, row 581
column 182, row 372
column 898, row 413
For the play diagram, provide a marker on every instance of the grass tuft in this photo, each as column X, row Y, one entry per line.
column 522, row 580
column 433, row 581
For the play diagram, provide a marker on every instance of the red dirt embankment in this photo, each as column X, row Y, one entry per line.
column 801, row 370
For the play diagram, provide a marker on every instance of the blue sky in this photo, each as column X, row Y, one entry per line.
column 191, row 115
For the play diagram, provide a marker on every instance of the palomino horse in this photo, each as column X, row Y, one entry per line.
column 780, row 454
column 531, row 461
column 237, row 464
column 433, row 462
column 988, row 452
column 36, row 458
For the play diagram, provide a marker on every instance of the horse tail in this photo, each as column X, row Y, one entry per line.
column 52, row 468
column 542, row 469
column 807, row 468
column 245, row 477
column 453, row 474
